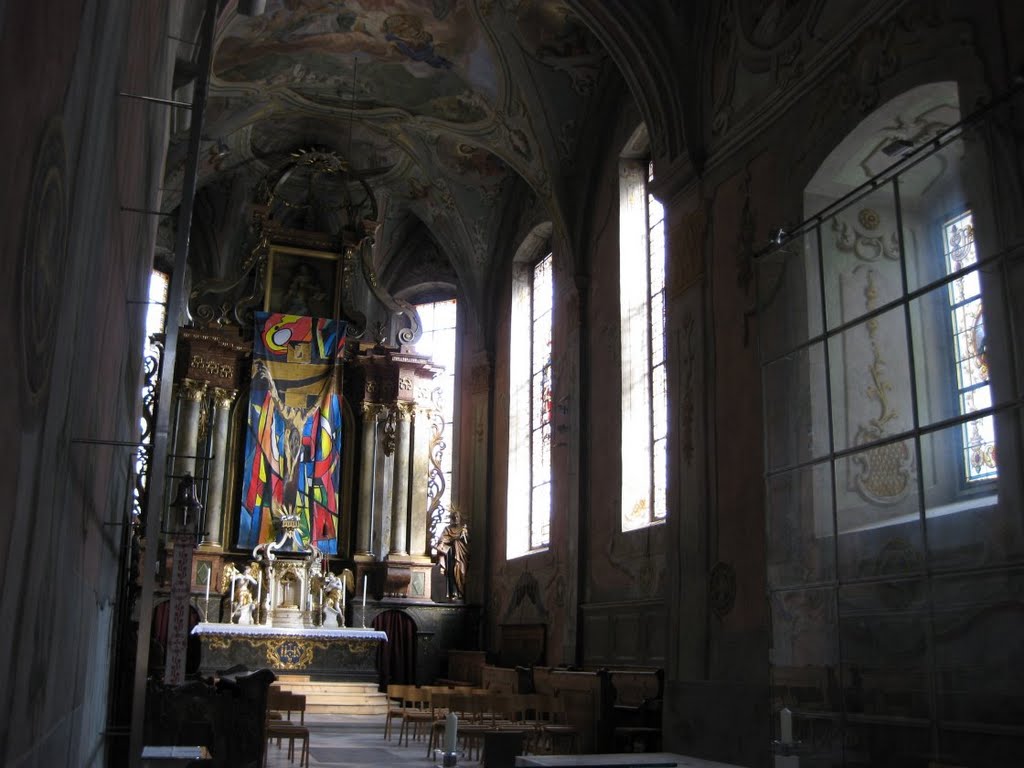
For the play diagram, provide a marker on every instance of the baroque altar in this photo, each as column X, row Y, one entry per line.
column 338, row 654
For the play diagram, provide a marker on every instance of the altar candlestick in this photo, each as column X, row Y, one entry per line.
column 786, row 725
column 259, row 591
column 209, row 578
column 365, row 580
column 451, row 726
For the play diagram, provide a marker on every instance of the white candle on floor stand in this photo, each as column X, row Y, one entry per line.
column 451, row 727
column 786, row 726
column 365, row 580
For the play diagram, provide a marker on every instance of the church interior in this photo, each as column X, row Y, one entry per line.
column 677, row 339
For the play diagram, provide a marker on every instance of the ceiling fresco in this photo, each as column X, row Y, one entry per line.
column 426, row 59
column 444, row 107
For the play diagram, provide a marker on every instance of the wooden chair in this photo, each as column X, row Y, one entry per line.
column 416, row 713
column 396, row 703
column 286, row 702
column 470, row 709
column 440, row 705
column 278, row 729
column 557, row 732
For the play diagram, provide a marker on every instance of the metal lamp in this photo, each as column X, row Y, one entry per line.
column 187, row 502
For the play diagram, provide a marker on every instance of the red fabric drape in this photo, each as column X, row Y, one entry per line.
column 396, row 659
column 158, row 638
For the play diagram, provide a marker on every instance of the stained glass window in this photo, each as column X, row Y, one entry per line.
column 642, row 331
column 438, row 341
column 530, row 408
column 969, row 353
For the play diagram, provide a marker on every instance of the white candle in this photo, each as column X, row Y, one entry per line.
column 365, row 580
column 209, row 578
column 259, row 591
column 451, row 726
column 786, row 725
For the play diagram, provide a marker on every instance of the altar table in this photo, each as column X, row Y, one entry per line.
column 326, row 654
column 624, row 760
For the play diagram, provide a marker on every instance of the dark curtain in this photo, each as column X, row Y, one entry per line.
column 396, row 659
column 158, row 639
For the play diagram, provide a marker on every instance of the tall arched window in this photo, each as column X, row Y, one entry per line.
column 439, row 342
column 642, row 334
column 529, row 449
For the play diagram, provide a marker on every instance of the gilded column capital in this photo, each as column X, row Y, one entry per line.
column 223, row 398
column 372, row 411
column 406, row 410
column 190, row 389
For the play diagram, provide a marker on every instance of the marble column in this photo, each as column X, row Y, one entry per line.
column 222, row 402
column 367, row 459
column 400, row 486
column 186, row 441
column 418, row 540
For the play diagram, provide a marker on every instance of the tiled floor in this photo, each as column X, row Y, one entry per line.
column 355, row 741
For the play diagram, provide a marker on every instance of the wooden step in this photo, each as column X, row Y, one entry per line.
column 340, row 698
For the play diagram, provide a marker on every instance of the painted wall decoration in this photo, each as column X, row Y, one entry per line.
column 293, row 445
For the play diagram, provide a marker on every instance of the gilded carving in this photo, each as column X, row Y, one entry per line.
column 390, row 439
column 190, row 389
column 866, row 247
column 885, row 471
column 290, row 653
column 223, row 398
column 372, row 411
column 405, row 384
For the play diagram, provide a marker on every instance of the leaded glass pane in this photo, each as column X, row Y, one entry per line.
column 789, row 296
column 870, row 378
column 659, row 413
column 969, row 349
column 801, row 542
column 659, row 460
column 541, row 516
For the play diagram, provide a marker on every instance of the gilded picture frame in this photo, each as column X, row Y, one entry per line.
column 304, row 282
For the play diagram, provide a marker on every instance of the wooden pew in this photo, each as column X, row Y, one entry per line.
column 637, row 707
column 587, row 698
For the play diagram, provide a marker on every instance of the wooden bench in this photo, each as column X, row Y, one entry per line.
column 636, row 709
column 587, row 700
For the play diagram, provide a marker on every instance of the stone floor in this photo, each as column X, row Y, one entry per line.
column 354, row 741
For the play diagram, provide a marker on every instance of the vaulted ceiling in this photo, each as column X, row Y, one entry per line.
column 449, row 109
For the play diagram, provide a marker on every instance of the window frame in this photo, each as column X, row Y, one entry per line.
column 523, row 444
column 639, row 237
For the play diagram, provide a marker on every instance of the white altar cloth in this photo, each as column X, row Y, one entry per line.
column 258, row 630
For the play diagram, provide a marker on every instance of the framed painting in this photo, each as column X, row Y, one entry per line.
column 303, row 282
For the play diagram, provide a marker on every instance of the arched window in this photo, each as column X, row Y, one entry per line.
column 529, row 449
column 439, row 342
column 642, row 334
column 887, row 371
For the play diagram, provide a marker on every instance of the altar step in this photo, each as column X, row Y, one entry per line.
column 327, row 698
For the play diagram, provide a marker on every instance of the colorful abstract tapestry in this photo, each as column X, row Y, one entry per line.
column 293, row 448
